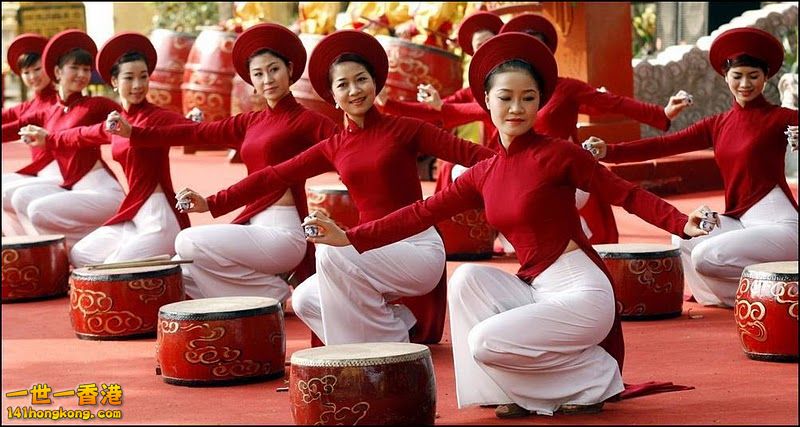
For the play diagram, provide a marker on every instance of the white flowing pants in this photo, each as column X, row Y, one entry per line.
column 151, row 232
column 50, row 209
column 348, row 300
column 243, row 260
column 50, row 174
column 714, row 263
column 534, row 345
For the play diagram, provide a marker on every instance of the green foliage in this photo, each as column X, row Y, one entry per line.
column 789, row 51
column 185, row 16
column 644, row 28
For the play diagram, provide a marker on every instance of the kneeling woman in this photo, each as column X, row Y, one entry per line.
column 545, row 339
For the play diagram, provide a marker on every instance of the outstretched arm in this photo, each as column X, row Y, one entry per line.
column 444, row 145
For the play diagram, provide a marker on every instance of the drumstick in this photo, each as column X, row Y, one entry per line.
column 161, row 257
column 138, row 264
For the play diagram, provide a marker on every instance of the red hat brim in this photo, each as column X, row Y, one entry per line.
column 751, row 41
column 62, row 43
column 476, row 22
column 341, row 42
column 535, row 23
column 273, row 37
column 22, row 44
column 505, row 47
column 121, row 44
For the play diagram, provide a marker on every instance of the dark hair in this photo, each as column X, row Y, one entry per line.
column 28, row 59
column 130, row 56
column 745, row 60
column 77, row 56
column 536, row 34
column 351, row 57
column 271, row 52
column 512, row 65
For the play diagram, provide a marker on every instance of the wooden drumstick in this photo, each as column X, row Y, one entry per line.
column 133, row 264
column 161, row 257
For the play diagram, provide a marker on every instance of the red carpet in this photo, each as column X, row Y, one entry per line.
column 700, row 348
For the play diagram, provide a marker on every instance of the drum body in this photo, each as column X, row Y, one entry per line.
column 647, row 279
column 34, row 267
column 121, row 303
column 368, row 384
column 766, row 311
column 218, row 341
column 305, row 94
column 467, row 236
column 335, row 202
column 208, row 75
column 165, row 83
column 412, row 64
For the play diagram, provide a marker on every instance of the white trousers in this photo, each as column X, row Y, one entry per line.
column 534, row 345
column 151, row 232
column 50, row 174
column 243, row 260
column 348, row 299
column 713, row 264
column 50, row 209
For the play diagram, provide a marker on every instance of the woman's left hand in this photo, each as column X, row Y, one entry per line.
column 328, row 232
column 33, row 135
column 791, row 136
column 693, row 226
column 676, row 104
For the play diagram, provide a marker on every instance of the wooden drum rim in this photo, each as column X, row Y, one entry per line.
column 307, row 357
column 269, row 306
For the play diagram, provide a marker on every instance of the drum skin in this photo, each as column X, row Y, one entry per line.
column 647, row 279
column 412, row 64
column 121, row 303
column 208, row 75
column 217, row 345
column 173, row 49
column 467, row 236
column 347, row 385
column 34, row 267
column 766, row 311
column 335, row 202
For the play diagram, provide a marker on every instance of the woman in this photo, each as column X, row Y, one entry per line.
column 89, row 193
column 527, row 342
column 250, row 256
column 25, row 60
column 346, row 301
column 146, row 222
column 760, row 219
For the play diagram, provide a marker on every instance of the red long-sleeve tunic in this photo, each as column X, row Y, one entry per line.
column 43, row 100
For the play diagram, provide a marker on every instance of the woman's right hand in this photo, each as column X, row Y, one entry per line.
column 33, row 135
column 121, row 128
column 693, row 227
column 427, row 94
column 596, row 146
column 196, row 202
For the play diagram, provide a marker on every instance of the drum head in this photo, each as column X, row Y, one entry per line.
column 780, row 270
column 363, row 354
column 636, row 250
column 220, row 308
column 20, row 242
column 113, row 274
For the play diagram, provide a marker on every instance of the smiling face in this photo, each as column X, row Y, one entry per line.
column 73, row 77
column 745, row 83
column 132, row 82
column 34, row 76
column 271, row 77
column 513, row 100
column 353, row 88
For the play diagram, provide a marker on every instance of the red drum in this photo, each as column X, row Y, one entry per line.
column 335, row 202
column 217, row 341
column 244, row 98
column 467, row 236
column 165, row 82
column 208, row 77
column 766, row 311
column 121, row 303
column 34, row 267
column 412, row 64
column 368, row 384
column 303, row 91
column 647, row 279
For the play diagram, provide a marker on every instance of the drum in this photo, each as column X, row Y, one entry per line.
column 368, row 384
column 412, row 64
column 165, row 82
column 305, row 94
column 208, row 76
column 647, row 279
column 219, row 341
column 121, row 303
column 34, row 267
column 766, row 311
column 467, row 236
column 335, row 202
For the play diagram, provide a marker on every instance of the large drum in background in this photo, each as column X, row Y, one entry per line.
column 766, row 311
column 647, row 279
column 34, row 267
column 121, row 303
column 411, row 64
column 335, row 202
column 165, row 82
column 244, row 99
column 217, row 341
column 369, row 384
column 467, row 236
column 208, row 77
column 303, row 91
